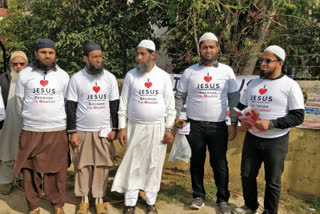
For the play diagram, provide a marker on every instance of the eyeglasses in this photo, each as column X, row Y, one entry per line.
column 261, row 60
column 18, row 63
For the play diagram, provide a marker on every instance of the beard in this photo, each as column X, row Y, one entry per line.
column 14, row 75
column 45, row 66
column 207, row 61
column 143, row 67
column 265, row 74
column 95, row 71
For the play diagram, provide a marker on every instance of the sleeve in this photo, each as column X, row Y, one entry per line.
column 123, row 106
column 292, row 119
column 169, row 102
column 183, row 83
column 114, row 92
column 244, row 97
column 71, row 109
column 72, row 92
column 296, row 100
column 295, row 115
column 180, row 100
column 2, row 109
column 233, row 100
column 65, row 88
column 232, row 83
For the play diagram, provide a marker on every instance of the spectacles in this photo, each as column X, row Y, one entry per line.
column 261, row 60
column 18, row 63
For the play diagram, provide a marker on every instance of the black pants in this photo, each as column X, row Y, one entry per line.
column 215, row 136
column 272, row 152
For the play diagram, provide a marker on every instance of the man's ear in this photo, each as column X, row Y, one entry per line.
column 153, row 55
column 85, row 58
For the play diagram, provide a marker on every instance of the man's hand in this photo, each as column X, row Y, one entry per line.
column 232, row 132
column 168, row 137
column 122, row 137
column 263, row 125
column 245, row 125
column 112, row 135
column 74, row 139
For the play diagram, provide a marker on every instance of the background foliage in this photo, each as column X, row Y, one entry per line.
column 244, row 29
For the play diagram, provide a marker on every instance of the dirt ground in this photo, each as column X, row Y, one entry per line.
column 15, row 204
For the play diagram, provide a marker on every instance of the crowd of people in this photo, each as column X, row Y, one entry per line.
column 43, row 111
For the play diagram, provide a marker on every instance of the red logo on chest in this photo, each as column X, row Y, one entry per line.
column 263, row 90
column 148, row 84
column 207, row 78
column 96, row 88
column 44, row 82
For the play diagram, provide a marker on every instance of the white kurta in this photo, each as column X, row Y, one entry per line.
column 144, row 94
column 9, row 137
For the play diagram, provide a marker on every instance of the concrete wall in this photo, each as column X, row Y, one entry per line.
column 302, row 166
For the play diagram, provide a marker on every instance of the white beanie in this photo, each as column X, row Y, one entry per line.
column 147, row 44
column 208, row 36
column 278, row 51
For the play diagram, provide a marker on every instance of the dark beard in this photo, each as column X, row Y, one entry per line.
column 143, row 67
column 95, row 71
column 207, row 61
column 38, row 64
column 265, row 75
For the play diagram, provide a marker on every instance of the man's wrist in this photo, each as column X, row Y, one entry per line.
column 72, row 131
column 271, row 125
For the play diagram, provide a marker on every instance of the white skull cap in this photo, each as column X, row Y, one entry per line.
column 208, row 36
column 147, row 44
column 277, row 51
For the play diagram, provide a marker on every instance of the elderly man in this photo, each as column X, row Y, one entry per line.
column 43, row 147
column 279, row 101
column 210, row 87
column 146, row 118
column 10, row 128
column 92, row 112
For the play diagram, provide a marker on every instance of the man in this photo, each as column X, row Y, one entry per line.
column 279, row 101
column 210, row 87
column 10, row 128
column 146, row 118
column 43, row 147
column 93, row 100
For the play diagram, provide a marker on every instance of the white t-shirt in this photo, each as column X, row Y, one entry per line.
column 273, row 99
column 147, row 93
column 207, row 88
column 93, row 94
column 43, row 93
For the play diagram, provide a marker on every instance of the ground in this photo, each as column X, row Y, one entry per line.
column 174, row 198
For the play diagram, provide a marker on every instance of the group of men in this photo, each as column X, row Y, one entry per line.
column 88, row 112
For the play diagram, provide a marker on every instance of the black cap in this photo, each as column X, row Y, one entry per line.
column 45, row 43
column 90, row 46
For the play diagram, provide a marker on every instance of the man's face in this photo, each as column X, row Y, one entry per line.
column 46, row 57
column 144, row 59
column 94, row 62
column 18, row 63
column 208, row 51
column 270, row 65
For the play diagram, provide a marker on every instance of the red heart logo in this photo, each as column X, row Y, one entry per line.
column 148, row 84
column 44, row 82
column 96, row 88
column 207, row 78
column 262, row 90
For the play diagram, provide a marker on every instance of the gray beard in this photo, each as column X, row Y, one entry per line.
column 14, row 75
column 143, row 67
